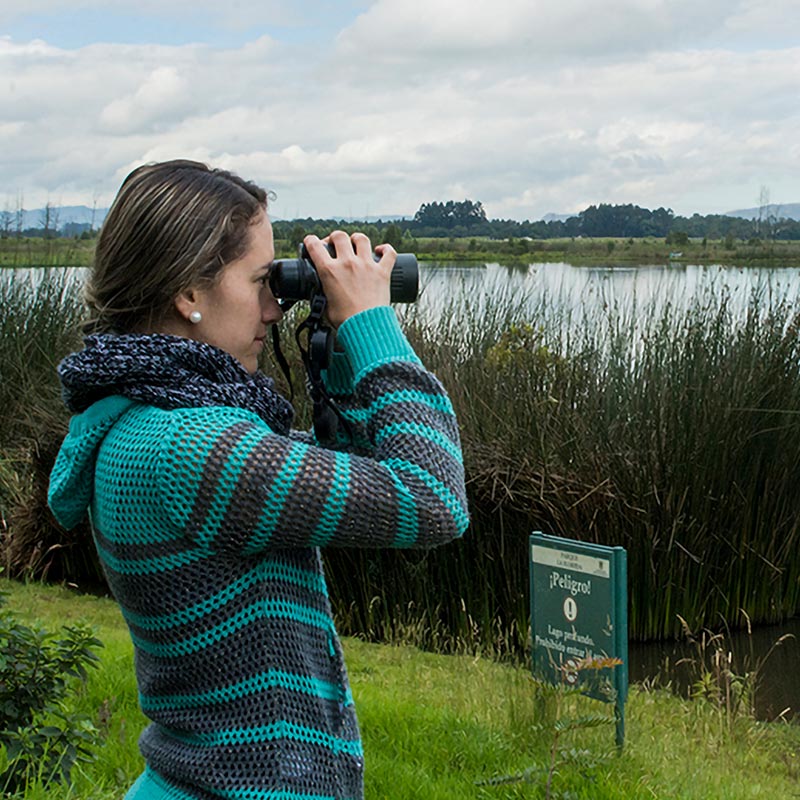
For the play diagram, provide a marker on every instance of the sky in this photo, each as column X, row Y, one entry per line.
column 368, row 108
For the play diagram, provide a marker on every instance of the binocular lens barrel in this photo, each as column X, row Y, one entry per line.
column 297, row 279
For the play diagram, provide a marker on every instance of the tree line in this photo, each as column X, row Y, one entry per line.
column 467, row 218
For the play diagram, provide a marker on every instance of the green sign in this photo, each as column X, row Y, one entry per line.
column 579, row 618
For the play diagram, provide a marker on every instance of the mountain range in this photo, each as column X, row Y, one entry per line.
column 83, row 215
column 60, row 216
column 773, row 210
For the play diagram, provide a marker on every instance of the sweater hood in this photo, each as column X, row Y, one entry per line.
column 72, row 479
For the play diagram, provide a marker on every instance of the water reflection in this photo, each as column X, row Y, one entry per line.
column 594, row 288
column 778, row 689
column 646, row 286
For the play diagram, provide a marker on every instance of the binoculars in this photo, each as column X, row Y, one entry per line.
column 293, row 279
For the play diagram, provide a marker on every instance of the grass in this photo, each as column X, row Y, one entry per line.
column 30, row 252
column 39, row 325
column 437, row 726
column 671, row 429
column 585, row 250
column 612, row 250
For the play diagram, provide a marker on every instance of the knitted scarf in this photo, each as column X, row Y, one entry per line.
column 168, row 372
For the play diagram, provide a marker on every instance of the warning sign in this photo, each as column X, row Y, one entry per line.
column 579, row 616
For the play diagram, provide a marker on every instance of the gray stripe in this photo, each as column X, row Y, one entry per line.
column 268, row 458
column 212, row 472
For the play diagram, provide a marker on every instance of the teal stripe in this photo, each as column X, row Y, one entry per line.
column 148, row 566
column 435, row 485
column 267, row 571
column 144, row 789
column 255, row 794
column 357, row 414
column 263, row 609
column 226, row 482
column 279, row 491
column 270, row 733
column 426, row 432
column 407, row 530
column 438, row 402
column 336, row 500
column 254, row 685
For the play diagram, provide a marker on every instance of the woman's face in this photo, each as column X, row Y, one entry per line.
column 237, row 310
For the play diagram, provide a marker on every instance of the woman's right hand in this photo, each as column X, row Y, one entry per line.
column 352, row 280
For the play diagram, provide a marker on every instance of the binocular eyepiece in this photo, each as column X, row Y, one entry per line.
column 294, row 279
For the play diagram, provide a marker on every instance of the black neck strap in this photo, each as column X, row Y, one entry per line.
column 316, row 355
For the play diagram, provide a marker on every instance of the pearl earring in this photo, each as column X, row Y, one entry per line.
column 195, row 317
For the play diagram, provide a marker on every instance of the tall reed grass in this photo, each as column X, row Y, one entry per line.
column 40, row 252
column 671, row 428
column 42, row 310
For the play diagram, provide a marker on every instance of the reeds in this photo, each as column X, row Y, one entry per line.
column 40, row 323
column 671, row 428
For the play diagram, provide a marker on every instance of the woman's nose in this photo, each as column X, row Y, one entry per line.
column 271, row 310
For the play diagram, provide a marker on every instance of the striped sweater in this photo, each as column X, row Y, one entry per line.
column 208, row 525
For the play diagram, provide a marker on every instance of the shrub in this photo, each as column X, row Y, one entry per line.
column 41, row 737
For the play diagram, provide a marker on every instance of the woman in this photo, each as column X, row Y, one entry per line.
column 208, row 510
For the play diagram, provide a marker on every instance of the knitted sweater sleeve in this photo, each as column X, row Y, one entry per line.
column 233, row 485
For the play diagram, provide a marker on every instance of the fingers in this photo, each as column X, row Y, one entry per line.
column 361, row 244
column 387, row 253
column 344, row 244
column 352, row 279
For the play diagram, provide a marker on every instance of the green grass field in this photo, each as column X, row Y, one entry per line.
column 583, row 250
column 435, row 727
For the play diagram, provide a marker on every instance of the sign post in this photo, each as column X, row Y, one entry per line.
column 579, row 614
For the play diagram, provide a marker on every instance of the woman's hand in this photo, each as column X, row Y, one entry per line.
column 352, row 280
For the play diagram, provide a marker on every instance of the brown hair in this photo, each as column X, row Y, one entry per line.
column 172, row 226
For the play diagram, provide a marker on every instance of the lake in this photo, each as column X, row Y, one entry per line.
column 645, row 286
column 578, row 286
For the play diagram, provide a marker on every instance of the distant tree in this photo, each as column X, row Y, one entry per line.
column 296, row 236
column 19, row 215
column 75, row 229
column 450, row 215
column 6, row 218
column 393, row 235
column 677, row 237
column 49, row 220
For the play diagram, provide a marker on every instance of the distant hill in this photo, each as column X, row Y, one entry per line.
column 557, row 217
column 61, row 216
column 777, row 210
column 82, row 215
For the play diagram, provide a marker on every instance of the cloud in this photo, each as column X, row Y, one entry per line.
column 238, row 15
column 420, row 31
column 162, row 95
column 547, row 106
column 761, row 21
column 233, row 14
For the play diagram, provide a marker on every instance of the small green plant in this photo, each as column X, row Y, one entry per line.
column 559, row 721
column 42, row 739
column 720, row 678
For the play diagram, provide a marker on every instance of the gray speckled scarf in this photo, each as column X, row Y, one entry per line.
column 168, row 372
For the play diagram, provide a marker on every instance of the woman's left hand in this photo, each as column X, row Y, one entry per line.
column 351, row 279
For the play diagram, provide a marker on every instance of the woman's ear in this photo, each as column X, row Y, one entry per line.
column 186, row 303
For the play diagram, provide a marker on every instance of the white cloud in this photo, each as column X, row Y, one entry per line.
column 236, row 14
column 405, row 31
column 529, row 107
column 162, row 95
